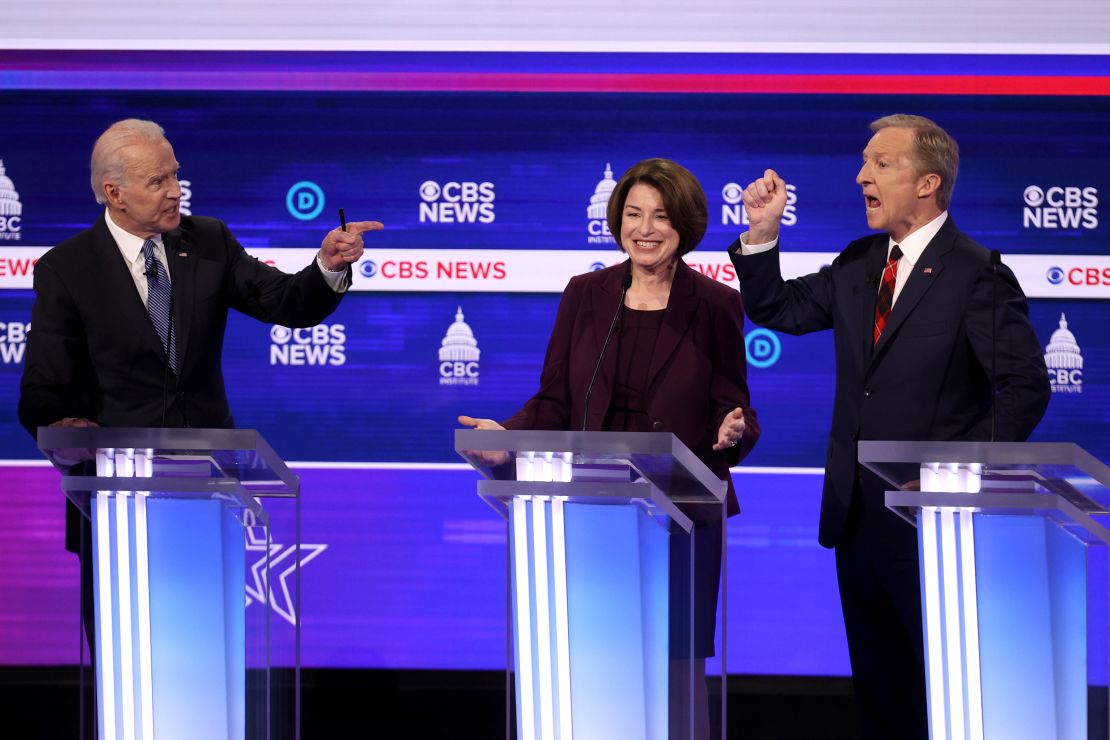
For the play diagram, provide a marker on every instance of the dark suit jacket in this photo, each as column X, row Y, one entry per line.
column 928, row 378
column 697, row 374
column 93, row 352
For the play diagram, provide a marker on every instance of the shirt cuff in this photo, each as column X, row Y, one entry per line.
column 749, row 249
column 337, row 281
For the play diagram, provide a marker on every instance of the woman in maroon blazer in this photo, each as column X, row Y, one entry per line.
column 675, row 363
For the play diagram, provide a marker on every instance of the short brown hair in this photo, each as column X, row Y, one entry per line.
column 937, row 152
column 682, row 195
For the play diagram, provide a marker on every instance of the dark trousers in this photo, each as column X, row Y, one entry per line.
column 82, row 545
column 880, row 594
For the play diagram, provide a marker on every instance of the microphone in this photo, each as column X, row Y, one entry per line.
column 996, row 260
column 626, row 283
column 150, row 271
column 872, row 281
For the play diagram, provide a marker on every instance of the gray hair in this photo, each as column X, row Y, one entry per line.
column 936, row 152
column 106, row 163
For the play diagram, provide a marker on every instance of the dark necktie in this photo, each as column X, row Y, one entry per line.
column 885, row 299
column 158, row 302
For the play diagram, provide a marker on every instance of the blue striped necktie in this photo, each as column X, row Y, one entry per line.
column 158, row 302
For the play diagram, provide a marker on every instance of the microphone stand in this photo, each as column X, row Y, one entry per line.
column 626, row 283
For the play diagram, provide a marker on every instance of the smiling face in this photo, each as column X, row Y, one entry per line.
column 646, row 231
column 898, row 200
column 148, row 200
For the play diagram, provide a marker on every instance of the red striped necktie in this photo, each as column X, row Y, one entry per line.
column 885, row 300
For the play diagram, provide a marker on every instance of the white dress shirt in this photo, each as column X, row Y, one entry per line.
column 131, row 247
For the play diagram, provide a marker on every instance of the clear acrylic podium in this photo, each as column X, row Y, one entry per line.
column 1012, row 548
column 602, row 529
column 173, row 512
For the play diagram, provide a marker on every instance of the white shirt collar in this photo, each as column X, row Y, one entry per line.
column 130, row 246
column 915, row 242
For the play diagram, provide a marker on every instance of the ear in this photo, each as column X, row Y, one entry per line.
column 928, row 185
column 112, row 194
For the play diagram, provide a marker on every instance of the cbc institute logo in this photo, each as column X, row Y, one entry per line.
column 597, row 226
column 1064, row 360
column 459, row 354
column 11, row 210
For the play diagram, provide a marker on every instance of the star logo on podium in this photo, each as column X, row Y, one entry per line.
column 284, row 560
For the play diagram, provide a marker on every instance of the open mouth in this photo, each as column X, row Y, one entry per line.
column 647, row 245
column 872, row 202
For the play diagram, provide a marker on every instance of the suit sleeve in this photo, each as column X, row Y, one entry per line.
column 796, row 306
column 728, row 383
column 56, row 365
column 550, row 407
column 1021, row 379
column 272, row 296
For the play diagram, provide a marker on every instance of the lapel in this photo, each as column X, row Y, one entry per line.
column 118, row 288
column 182, row 257
column 682, row 304
column 925, row 274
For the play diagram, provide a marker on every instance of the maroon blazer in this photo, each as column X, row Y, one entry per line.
column 698, row 372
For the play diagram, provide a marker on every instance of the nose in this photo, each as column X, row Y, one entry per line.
column 173, row 192
column 864, row 175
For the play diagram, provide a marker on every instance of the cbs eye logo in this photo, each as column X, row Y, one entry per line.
column 280, row 334
column 1034, row 196
column 1055, row 275
column 429, row 191
column 732, row 193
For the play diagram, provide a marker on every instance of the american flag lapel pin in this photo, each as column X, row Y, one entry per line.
column 928, row 271
column 182, row 254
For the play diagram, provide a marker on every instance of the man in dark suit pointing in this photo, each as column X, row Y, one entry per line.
column 96, row 353
column 129, row 315
column 911, row 312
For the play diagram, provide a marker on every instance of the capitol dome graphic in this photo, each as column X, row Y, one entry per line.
column 1062, row 351
column 459, row 342
column 599, row 201
column 9, row 198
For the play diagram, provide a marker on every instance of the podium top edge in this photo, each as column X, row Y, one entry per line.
column 998, row 453
column 534, row 440
column 1029, row 455
column 52, row 438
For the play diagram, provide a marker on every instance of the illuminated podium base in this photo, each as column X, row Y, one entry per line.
column 168, row 590
column 596, row 533
column 599, row 573
column 174, row 658
column 1004, row 533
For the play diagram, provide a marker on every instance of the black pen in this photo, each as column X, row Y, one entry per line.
column 342, row 220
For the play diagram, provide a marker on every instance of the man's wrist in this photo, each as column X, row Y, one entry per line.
column 761, row 237
column 324, row 265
